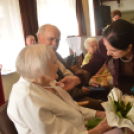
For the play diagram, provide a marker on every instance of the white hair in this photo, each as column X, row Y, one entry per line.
column 32, row 58
column 29, row 37
column 41, row 30
column 88, row 41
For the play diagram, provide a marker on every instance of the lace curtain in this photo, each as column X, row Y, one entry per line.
column 11, row 33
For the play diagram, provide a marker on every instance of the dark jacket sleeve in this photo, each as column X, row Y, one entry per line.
column 96, row 62
column 63, row 62
column 75, row 93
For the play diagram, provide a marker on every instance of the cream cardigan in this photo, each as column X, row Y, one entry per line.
column 35, row 110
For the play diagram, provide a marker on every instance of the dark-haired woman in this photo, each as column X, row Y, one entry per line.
column 117, row 50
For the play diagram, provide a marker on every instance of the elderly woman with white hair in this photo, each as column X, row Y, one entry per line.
column 39, row 105
column 91, row 45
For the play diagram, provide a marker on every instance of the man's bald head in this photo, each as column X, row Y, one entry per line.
column 49, row 35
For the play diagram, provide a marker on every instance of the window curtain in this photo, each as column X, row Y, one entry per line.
column 28, row 9
column 2, row 97
column 97, row 3
column 11, row 33
column 80, row 18
column 61, row 13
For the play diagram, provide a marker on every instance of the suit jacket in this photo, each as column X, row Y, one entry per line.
column 63, row 62
column 35, row 110
column 77, row 92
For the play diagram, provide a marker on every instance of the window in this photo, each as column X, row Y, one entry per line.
column 61, row 13
column 11, row 33
column 91, row 17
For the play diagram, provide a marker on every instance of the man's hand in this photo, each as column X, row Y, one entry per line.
column 70, row 82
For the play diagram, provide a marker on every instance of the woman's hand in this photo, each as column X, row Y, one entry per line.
column 100, row 128
column 95, row 84
column 100, row 114
column 70, row 82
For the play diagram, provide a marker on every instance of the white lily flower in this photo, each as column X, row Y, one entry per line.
column 115, row 94
column 128, row 98
column 113, row 116
column 130, row 114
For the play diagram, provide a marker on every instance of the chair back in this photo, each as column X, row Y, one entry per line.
column 6, row 125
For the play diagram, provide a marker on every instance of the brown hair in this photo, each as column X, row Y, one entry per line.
column 115, row 12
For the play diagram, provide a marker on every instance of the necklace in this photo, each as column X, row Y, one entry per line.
column 126, row 60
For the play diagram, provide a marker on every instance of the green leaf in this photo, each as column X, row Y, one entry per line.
column 128, row 107
column 115, row 105
column 119, row 114
column 122, row 103
column 93, row 122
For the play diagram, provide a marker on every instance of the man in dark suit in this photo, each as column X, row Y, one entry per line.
column 50, row 35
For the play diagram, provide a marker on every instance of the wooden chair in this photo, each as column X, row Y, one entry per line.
column 84, row 103
column 76, row 67
column 6, row 125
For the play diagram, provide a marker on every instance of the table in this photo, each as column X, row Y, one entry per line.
column 76, row 45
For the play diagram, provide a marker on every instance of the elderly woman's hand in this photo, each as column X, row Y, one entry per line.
column 100, row 128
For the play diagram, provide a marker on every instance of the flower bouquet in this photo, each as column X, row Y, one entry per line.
column 119, row 109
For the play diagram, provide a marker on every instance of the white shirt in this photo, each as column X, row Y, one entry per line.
column 35, row 110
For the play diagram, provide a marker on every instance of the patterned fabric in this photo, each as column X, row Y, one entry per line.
column 105, row 71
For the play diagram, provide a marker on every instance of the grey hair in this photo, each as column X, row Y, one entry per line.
column 41, row 30
column 29, row 36
column 88, row 41
column 32, row 58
